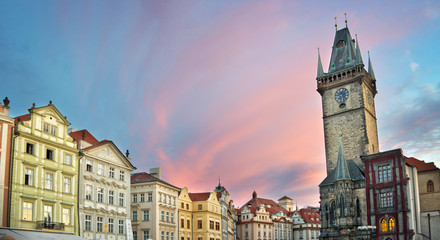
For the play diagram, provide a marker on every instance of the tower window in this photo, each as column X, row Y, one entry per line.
column 340, row 43
column 430, row 186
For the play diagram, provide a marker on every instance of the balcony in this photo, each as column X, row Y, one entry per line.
column 50, row 225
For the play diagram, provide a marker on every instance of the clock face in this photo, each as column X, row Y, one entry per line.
column 368, row 97
column 341, row 95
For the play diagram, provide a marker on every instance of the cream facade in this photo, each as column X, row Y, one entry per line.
column 206, row 216
column 185, row 215
column 45, row 172
column 6, row 126
column 104, row 191
column 154, row 207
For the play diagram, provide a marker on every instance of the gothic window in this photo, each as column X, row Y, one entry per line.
column 391, row 224
column 430, row 186
column 326, row 214
column 332, row 213
column 383, row 225
column 358, row 208
column 342, row 206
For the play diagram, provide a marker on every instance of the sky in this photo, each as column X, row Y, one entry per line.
column 221, row 89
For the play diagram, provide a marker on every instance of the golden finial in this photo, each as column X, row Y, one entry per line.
column 336, row 25
column 346, row 25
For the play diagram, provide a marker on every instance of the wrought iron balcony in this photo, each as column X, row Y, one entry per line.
column 50, row 225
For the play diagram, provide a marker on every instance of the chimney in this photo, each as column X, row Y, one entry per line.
column 155, row 172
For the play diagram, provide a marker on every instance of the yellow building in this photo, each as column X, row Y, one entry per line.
column 205, row 215
column 45, row 172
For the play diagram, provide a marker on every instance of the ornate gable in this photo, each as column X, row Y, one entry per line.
column 108, row 152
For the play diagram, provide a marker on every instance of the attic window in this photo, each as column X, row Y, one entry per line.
column 340, row 43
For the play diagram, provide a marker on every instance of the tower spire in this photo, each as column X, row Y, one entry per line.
column 346, row 24
column 336, row 25
column 358, row 53
column 342, row 172
column 370, row 67
column 320, row 71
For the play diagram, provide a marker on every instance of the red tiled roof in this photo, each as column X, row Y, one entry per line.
column 285, row 197
column 22, row 118
column 195, row 197
column 88, row 137
column 256, row 203
column 145, row 177
column 308, row 214
column 422, row 166
column 99, row 144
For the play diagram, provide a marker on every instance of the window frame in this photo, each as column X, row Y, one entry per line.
column 27, row 210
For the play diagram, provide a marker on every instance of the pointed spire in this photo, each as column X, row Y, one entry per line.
column 320, row 71
column 358, row 53
column 342, row 172
column 346, row 22
column 336, row 25
column 370, row 67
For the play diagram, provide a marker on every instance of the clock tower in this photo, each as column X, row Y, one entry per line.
column 348, row 106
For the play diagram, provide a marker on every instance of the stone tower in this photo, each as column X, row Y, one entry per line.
column 347, row 92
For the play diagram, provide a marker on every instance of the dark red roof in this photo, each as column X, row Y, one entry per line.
column 195, row 197
column 145, row 177
column 22, row 118
column 308, row 214
column 88, row 137
column 255, row 203
column 422, row 166
column 285, row 197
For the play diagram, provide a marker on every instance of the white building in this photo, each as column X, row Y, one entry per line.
column 104, row 188
column 306, row 224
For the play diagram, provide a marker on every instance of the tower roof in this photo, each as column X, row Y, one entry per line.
column 343, row 52
column 320, row 70
column 370, row 67
column 358, row 53
column 341, row 170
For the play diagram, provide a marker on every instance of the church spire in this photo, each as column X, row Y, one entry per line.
column 358, row 53
column 343, row 52
column 320, row 71
column 342, row 172
column 370, row 67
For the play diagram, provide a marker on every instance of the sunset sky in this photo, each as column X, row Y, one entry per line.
column 209, row 89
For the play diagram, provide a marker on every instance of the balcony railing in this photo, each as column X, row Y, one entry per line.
column 50, row 225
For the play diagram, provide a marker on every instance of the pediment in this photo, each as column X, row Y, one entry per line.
column 50, row 111
column 108, row 152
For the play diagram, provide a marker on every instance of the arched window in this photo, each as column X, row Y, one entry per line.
column 430, row 186
column 383, row 225
column 332, row 213
column 342, row 206
column 358, row 208
column 391, row 224
column 326, row 214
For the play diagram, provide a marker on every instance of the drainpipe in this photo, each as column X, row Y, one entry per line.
column 14, row 131
column 77, row 194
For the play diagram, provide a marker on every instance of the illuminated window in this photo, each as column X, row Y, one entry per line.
column 27, row 211
column 66, row 216
column 383, row 225
column 430, row 186
column 391, row 224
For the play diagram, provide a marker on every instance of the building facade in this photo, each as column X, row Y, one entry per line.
column 185, row 215
column 44, row 186
column 154, row 206
column 206, row 216
column 6, row 126
column 228, row 213
column 306, row 224
column 104, row 188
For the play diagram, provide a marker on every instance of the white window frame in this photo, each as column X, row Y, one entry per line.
column 28, row 211
column 29, row 173
column 67, row 185
column 66, row 216
column 49, row 180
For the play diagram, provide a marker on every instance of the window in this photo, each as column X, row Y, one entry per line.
column 67, row 184
column 211, row 224
column 88, row 192
column 188, row 224
column 100, row 195
column 135, row 197
column 147, row 215
column 217, row 226
column 47, row 213
column 49, row 154
column 121, row 175
column 199, row 224
column 142, row 197
column 29, row 177
column 100, row 169
column 135, row 215
column 172, row 236
column 182, row 205
column 384, row 173
column 163, row 235
column 383, row 225
column 66, row 216
column 358, row 208
column 430, row 186
column 172, row 217
column 187, row 206
column 99, row 224
column 168, row 216
column 27, row 211
column 110, row 225
column 46, row 127
column 67, row 159
column 121, row 199
column 89, row 165
column 111, row 197
column 168, row 235
column 135, row 235
column 200, row 207
column 162, row 216
column 391, row 226
column 386, row 199
column 30, row 148
column 49, row 181
column 88, row 223
column 146, row 235
column 332, row 213
column 342, row 206
column 54, row 131
column 121, row 226
column 150, row 197
column 111, row 172
column 182, row 223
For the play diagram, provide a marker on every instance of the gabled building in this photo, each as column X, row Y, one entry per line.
column 104, row 188
column 6, row 126
column 306, row 224
column 44, row 183
column 228, row 213
column 185, row 215
column 206, row 216
column 154, row 206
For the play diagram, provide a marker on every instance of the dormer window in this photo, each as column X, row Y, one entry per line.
column 340, row 43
